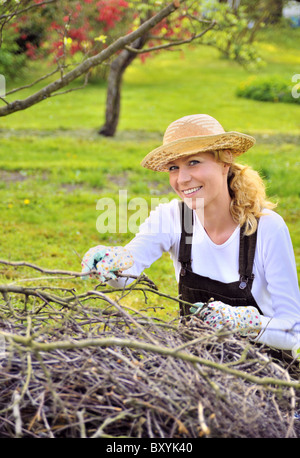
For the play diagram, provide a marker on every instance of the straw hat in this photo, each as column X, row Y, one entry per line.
column 194, row 134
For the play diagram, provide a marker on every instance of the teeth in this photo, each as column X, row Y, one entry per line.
column 189, row 191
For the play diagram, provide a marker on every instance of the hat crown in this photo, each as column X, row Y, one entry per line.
column 192, row 126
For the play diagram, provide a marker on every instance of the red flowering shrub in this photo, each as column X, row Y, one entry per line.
column 83, row 26
column 66, row 31
column 79, row 25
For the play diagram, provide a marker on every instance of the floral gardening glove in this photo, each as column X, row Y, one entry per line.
column 106, row 260
column 245, row 320
column 296, row 352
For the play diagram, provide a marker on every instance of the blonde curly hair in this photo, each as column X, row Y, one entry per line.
column 247, row 191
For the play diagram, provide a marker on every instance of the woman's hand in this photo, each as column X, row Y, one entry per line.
column 244, row 320
column 106, row 261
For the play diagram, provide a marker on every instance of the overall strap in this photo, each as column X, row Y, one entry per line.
column 185, row 247
column 246, row 257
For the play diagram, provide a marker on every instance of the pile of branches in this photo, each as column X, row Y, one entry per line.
column 83, row 365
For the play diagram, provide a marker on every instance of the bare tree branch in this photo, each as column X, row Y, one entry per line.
column 172, row 43
column 31, row 344
column 74, row 369
column 17, row 12
column 40, row 269
column 27, row 86
column 89, row 63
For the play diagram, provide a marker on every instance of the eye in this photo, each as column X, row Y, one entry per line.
column 172, row 168
column 194, row 162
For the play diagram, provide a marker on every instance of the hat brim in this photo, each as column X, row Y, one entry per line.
column 160, row 157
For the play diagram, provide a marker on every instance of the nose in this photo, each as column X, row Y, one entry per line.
column 183, row 175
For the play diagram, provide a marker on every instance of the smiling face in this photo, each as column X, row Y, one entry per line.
column 200, row 177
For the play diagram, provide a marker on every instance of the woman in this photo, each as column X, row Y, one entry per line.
column 225, row 240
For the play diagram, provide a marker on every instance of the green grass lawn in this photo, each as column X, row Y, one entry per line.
column 54, row 167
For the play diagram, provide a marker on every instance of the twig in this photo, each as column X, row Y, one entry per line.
column 26, row 86
column 109, row 420
column 181, row 427
column 41, row 269
column 172, row 43
column 24, row 10
column 204, row 428
column 110, row 341
column 71, row 369
column 17, row 414
column 80, row 415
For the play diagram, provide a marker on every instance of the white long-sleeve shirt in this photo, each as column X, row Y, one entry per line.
column 275, row 286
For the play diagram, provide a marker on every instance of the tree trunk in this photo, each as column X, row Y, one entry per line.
column 275, row 11
column 114, row 83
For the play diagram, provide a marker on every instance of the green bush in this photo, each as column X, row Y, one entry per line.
column 267, row 89
column 12, row 62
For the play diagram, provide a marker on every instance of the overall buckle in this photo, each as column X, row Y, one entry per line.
column 243, row 282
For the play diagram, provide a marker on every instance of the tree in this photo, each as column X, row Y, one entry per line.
column 113, row 101
column 169, row 32
column 88, row 62
column 85, row 35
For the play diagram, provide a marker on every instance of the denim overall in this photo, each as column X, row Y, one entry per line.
column 197, row 288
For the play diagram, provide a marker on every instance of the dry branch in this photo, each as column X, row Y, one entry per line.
column 96, row 368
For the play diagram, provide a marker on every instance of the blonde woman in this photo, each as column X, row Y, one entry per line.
column 225, row 239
